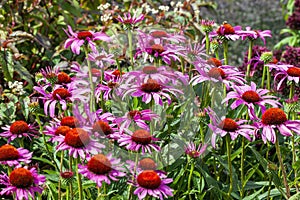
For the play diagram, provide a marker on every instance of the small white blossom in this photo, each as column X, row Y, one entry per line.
column 106, row 17
column 164, row 8
column 154, row 11
column 104, row 6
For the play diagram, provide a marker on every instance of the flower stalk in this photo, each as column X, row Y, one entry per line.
column 249, row 59
column 92, row 97
column 228, row 147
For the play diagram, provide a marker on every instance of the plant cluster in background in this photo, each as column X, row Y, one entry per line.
column 141, row 100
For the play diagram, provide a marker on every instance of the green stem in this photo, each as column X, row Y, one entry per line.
column 119, row 67
column 60, row 170
column 269, row 187
column 249, row 58
column 129, row 34
column 217, row 54
column 92, row 99
column 225, row 48
column 190, row 179
column 242, row 167
column 278, row 152
column 228, row 147
column 292, row 90
column 263, row 78
column 268, row 79
column 182, row 64
column 207, row 43
column 134, row 171
column 79, row 179
column 70, row 183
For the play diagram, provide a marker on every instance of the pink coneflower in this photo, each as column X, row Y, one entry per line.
column 152, row 47
column 78, row 142
column 161, row 37
column 251, row 96
column 55, row 76
column 139, row 140
column 286, row 72
column 101, row 168
column 129, row 20
column 18, row 129
column 207, row 25
column 101, row 58
column 137, row 117
column 194, row 53
column 193, row 151
column 13, row 157
column 154, row 184
column 151, row 89
column 76, row 40
column 226, row 31
column 23, row 183
column 163, row 74
column 255, row 34
column 226, row 126
column 226, row 74
column 276, row 118
column 108, row 87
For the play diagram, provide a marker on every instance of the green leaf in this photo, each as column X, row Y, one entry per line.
column 24, row 73
column 45, row 160
column 254, row 195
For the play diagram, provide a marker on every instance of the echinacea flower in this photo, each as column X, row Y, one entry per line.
column 251, row 96
column 76, row 40
column 100, row 58
column 207, row 25
column 137, row 117
column 151, row 89
column 223, row 126
column 286, row 72
column 54, row 75
column 255, row 34
column 22, row 182
column 79, row 143
column 226, row 74
column 275, row 118
column 101, row 168
column 154, row 184
column 139, row 140
column 13, row 157
column 18, row 129
column 193, row 151
column 129, row 21
column 226, row 31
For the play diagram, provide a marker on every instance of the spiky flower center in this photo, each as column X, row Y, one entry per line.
column 21, row 178
column 251, row 96
column 134, row 113
column 84, row 34
column 67, row 174
column 273, row 116
column 149, row 179
column 216, row 72
column 70, row 121
column 150, row 70
column 99, row 164
column 159, row 34
column 8, row 152
column 151, row 86
column 19, row 127
column 228, row 125
column 117, row 73
column 225, row 29
column 141, row 137
column 293, row 71
column 157, row 48
column 63, row 77
column 62, row 93
column 77, row 138
column 112, row 84
column 62, row 130
column 214, row 61
column 147, row 164
column 102, row 127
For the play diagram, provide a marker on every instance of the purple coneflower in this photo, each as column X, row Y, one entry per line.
column 138, row 140
column 102, row 168
column 251, row 96
column 276, row 118
column 154, row 184
column 78, row 142
column 138, row 117
column 23, row 183
column 286, row 72
column 55, row 76
column 226, row 74
column 193, row 151
column 151, row 89
column 226, row 31
column 18, row 129
column 11, row 156
column 76, row 40
column 255, row 34
column 129, row 20
column 101, row 58
column 226, row 126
